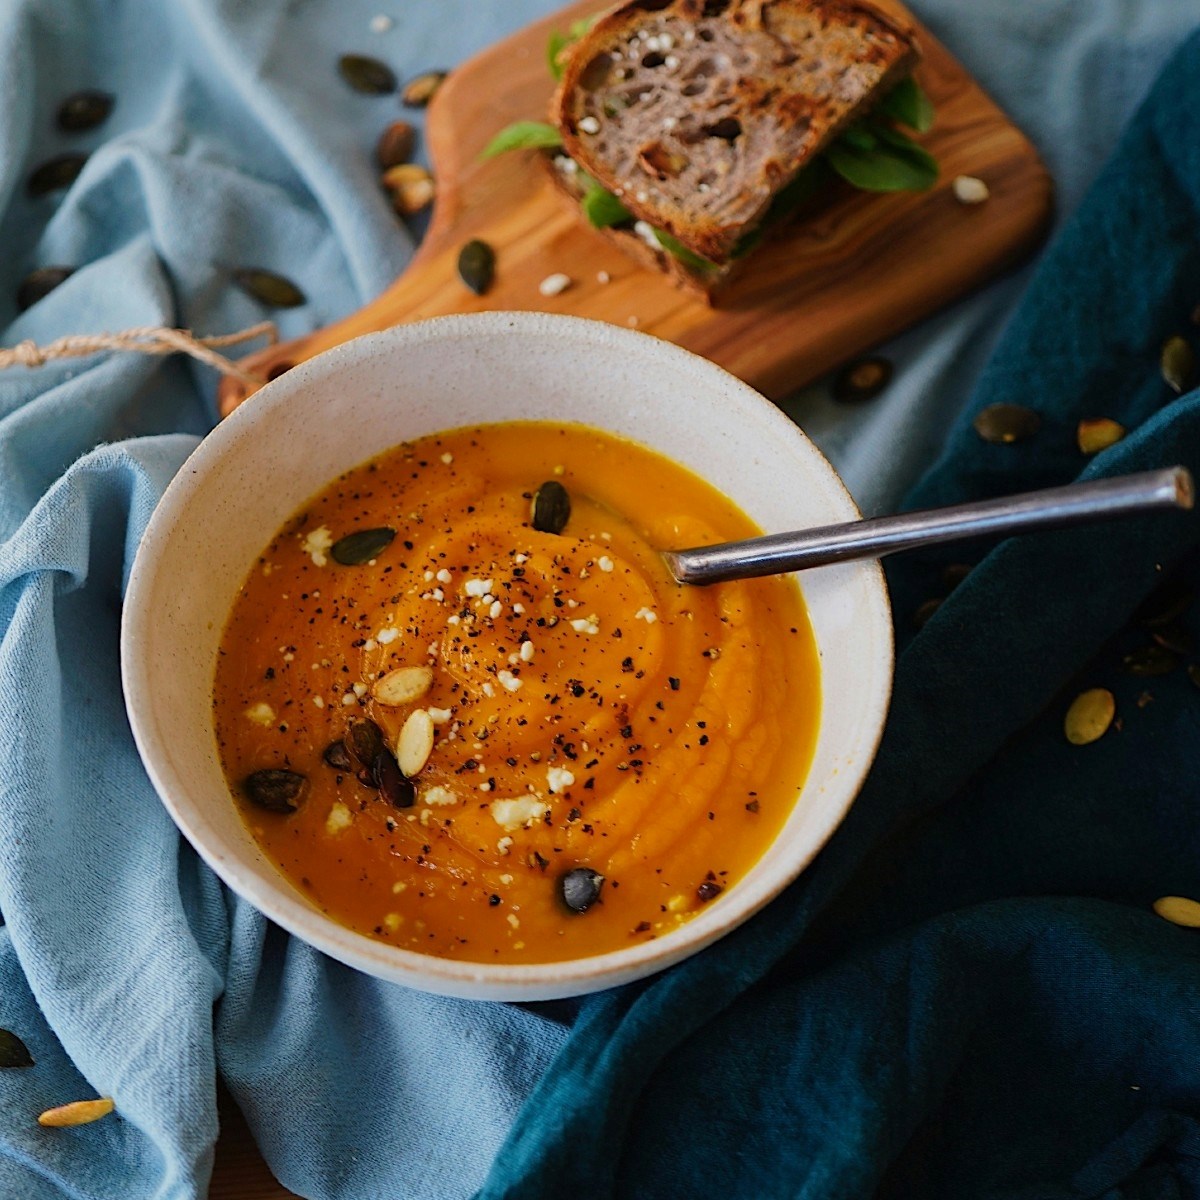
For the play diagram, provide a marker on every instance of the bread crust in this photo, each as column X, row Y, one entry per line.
column 738, row 96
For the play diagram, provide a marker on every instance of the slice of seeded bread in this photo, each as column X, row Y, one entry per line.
column 697, row 112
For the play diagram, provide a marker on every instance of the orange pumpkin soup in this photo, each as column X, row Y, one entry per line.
column 467, row 711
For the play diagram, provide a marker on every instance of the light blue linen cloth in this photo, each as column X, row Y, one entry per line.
column 127, row 968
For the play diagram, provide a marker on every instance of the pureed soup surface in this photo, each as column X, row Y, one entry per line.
column 589, row 717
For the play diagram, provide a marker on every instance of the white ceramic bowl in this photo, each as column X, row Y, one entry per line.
column 352, row 402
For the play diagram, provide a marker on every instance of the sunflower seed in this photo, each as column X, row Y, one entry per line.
column 1178, row 364
column 55, row 174
column 80, row 1112
column 13, row 1051
column 1090, row 715
column 415, row 743
column 403, row 685
column 1098, row 433
column 477, row 266
column 580, row 888
column 275, row 789
column 84, row 110
column 419, row 91
column 361, row 546
column 1150, row 660
column 393, row 786
column 37, row 285
column 862, row 380
column 1179, row 910
column 367, row 75
column 551, row 507
column 395, row 145
column 365, row 741
column 268, row 288
column 1003, row 424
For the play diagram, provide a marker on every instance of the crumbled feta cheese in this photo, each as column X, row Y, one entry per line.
column 496, row 609
column 340, row 817
column 554, row 285
column 527, row 652
column 509, row 680
column 488, row 690
column 392, row 922
column 438, row 797
column 348, row 699
column 370, row 644
column 518, row 608
column 603, row 277
column 439, row 716
column 261, row 714
column 359, row 689
column 444, row 576
column 316, row 543
column 646, row 614
column 513, row 920
column 558, row 779
column 318, row 702
column 503, row 844
column 590, row 625
column 604, row 563
column 506, row 879
column 447, row 458
column 477, row 587
column 518, row 811
column 386, row 636
column 589, row 125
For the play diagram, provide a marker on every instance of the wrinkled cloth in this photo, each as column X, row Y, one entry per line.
column 967, row 994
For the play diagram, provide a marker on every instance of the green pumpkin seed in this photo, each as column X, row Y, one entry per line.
column 84, row 110
column 580, row 888
column 1090, row 715
column 268, row 288
column 55, row 174
column 39, row 284
column 275, row 789
column 1169, row 601
column 419, row 91
column 1003, row 424
column 361, row 546
column 396, row 145
column 1150, row 660
column 477, row 266
column 367, row 75
column 1178, row 364
column 862, row 380
column 13, row 1052
column 551, row 508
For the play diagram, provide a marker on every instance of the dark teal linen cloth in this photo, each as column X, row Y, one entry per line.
column 969, row 995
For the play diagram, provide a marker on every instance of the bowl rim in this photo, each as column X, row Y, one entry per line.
column 276, row 898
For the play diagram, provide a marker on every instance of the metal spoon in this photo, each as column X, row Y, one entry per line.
column 1050, row 508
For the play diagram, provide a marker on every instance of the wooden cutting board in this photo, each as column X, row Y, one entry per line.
column 865, row 267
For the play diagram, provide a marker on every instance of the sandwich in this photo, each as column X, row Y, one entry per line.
column 691, row 130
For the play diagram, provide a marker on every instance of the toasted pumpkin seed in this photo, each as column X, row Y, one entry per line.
column 418, row 92
column 337, row 756
column 1166, row 603
column 84, row 110
column 37, row 285
column 1090, row 715
column 1179, row 910
column 415, row 742
column 365, row 741
column 862, row 380
column 79, row 1112
column 477, row 266
column 579, row 888
column 1150, row 660
column 1178, row 364
column 395, row 145
column 551, row 509
column 411, row 187
column 55, row 174
column 403, row 685
column 361, row 546
column 275, row 789
column 367, row 75
column 393, row 786
column 1003, row 424
column 1098, row 433
column 13, row 1052
column 268, row 288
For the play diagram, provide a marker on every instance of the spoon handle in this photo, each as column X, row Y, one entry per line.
column 1050, row 508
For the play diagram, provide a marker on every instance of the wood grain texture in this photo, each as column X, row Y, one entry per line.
column 860, row 270
column 239, row 1172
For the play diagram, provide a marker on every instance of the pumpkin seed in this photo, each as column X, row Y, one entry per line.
column 419, row 91
column 84, row 110
column 361, row 546
column 1098, row 433
column 953, row 574
column 551, row 508
column 1179, row 910
column 37, row 285
column 268, row 288
column 393, row 786
column 1003, row 424
column 862, row 380
column 1090, row 715
column 403, row 685
column 395, row 145
column 365, row 741
column 1178, row 364
column 55, row 173
column 337, row 756
column 580, row 888
column 1174, row 638
column 1150, row 660
column 411, row 187
column 79, row 1112
column 1169, row 601
column 925, row 610
column 415, row 743
column 477, row 266
column 13, row 1051
column 275, row 789
column 367, row 75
